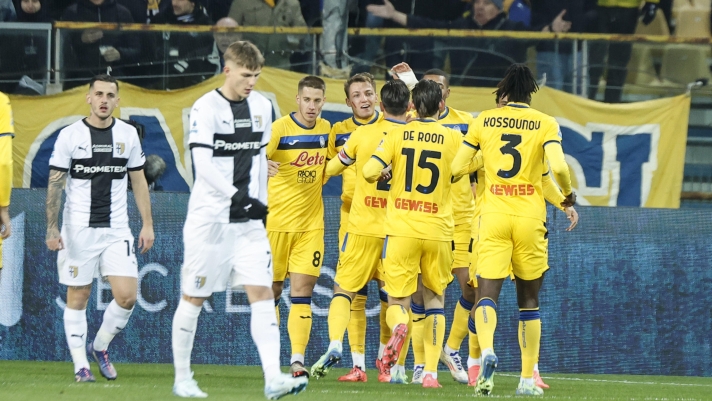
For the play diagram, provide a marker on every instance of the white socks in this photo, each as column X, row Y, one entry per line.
column 115, row 319
column 449, row 350
column 359, row 360
column 185, row 321
column 381, row 347
column 265, row 334
column 297, row 358
column 473, row 362
column 336, row 344
column 75, row 328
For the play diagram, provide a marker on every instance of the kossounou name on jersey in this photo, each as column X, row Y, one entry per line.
column 97, row 160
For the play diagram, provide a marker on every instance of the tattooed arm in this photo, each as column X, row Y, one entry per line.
column 55, row 187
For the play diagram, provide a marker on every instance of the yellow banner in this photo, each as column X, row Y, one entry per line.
column 619, row 155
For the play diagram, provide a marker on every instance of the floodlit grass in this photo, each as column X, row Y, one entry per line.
column 49, row 381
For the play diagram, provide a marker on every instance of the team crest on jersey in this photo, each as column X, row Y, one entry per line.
column 257, row 121
column 74, row 271
column 120, row 147
column 199, row 281
column 322, row 141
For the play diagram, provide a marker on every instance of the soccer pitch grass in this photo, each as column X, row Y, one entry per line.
column 45, row 381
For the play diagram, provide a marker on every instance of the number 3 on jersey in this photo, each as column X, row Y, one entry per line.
column 509, row 148
column 423, row 163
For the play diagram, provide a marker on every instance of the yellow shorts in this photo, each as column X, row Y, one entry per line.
column 301, row 252
column 473, row 262
column 403, row 257
column 505, row 239
column 360, row 261
column 461, row 237
column 343, row 223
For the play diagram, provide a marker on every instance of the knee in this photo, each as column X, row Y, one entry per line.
column 126, row 301
column 529, row 303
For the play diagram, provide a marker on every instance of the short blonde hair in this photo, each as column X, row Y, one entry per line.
column 245, row 54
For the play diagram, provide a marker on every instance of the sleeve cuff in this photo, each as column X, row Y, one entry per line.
column 62, row 169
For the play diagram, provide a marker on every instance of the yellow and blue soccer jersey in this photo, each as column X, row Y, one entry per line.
column 513, row 140
column 7, row 132
column 295, row 202
column 341, row 132
column 368, row 207
column 421, row 153
column 463, row 203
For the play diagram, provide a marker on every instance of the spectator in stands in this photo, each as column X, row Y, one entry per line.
column 56, row 8
column 615, row 16
column 557, row 16
column 276, row 48
column 186, row 54
column 145, row 11
column 482, row 62
column 519, row 11
column 94, row 51
column 7, row 11
column 25, row 54
column 335, row 18
column 223, row 40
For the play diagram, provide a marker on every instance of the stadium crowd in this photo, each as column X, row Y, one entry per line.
column 177, row 59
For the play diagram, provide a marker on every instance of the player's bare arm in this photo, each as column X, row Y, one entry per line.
column 272, row 168
column 55, row 186
column 5, row 225
column 573, row 217
column 553, row 195
column 143, row 202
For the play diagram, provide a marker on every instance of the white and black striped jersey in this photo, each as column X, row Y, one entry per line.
column 97, row 161
column 237, row 133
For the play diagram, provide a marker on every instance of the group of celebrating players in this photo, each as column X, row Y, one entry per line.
column 428, row 192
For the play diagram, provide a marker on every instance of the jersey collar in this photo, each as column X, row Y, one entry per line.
column 302, row 126
column 394, row 120
column 518, row 105
column 113, row 122
column 426, row 120
column 230, row 101
column 373, row 120
column 445, row 113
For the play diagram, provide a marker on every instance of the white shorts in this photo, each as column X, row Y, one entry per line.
column 91, row 252
column 218, row 253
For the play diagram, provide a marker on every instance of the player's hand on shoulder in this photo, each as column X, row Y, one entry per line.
column 569, row 201
column 272, row 168
column 146, row 239
column 573, row 217
column 54, row 240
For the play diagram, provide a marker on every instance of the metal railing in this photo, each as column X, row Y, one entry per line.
column 56, row 67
